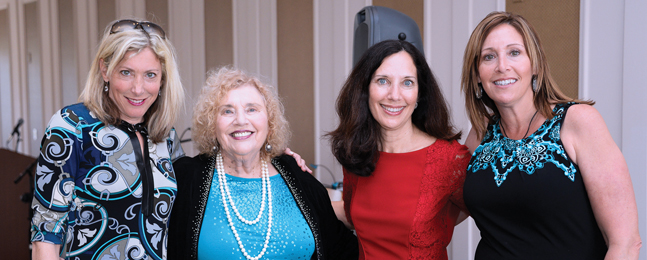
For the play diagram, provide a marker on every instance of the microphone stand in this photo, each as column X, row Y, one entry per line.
column 27, row 197
column 11, row 139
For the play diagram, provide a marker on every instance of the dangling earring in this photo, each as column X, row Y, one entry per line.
column 479, row 92
column 105, row 86
column 534, row 83
column 268, row 148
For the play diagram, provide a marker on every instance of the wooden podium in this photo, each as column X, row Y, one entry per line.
column 14, row 213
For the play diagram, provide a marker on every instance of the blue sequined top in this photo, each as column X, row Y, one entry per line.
column 291, row 237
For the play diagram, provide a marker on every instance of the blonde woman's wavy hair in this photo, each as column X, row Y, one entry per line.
column 548, row 92
column 205, row 114
column 161, row 116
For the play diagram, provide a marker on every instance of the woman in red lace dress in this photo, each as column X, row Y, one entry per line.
column 403, row 168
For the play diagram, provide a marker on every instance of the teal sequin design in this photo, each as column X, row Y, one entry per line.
column 503, row 154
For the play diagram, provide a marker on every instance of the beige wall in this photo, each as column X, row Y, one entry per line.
column 218, row 33
column 296, row 72
column 557, row 23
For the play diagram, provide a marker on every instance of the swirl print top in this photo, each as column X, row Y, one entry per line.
column 96, row 193
column 528, row 198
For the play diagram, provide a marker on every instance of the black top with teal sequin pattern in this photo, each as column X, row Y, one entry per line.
column 528, row 199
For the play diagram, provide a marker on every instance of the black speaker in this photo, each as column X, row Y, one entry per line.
column 374, row 24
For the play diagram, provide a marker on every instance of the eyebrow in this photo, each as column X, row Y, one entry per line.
column 507, row 46
column 246, row 105
column 386, row 76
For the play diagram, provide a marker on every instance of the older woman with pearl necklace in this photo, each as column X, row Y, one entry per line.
column 241, row 198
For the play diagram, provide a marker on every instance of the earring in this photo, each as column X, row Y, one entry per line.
column 534, row 83
column 159, row 94
column 416, row 106
column 105, row 86
column 268, row 148
column 479, row 92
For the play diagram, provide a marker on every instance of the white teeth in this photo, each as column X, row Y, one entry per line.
column 393, row 110
column 505, row 82
column 136, row 101
column 241, row 134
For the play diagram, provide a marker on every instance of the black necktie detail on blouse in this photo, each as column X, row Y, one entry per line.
column 143, row 164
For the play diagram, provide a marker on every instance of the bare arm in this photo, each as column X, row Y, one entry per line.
column 338, row 206
column 606, row 177
column 472, row 142
column 45, row 251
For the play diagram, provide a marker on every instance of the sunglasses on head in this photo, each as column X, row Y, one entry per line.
column 128, row 25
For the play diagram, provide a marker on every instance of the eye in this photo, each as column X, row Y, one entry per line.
column 151, row 75
column 125, row 72
column 408, row 83
column 488, row 57
column 227, row 112
column 515, row 53
column 252, row 109
column 382, row 81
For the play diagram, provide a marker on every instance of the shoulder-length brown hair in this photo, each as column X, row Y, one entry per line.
column 356, row 140
column 216, row 88
column 547, row 93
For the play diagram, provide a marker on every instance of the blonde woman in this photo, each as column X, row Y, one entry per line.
column 105, row 183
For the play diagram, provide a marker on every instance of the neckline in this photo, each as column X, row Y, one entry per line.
column 497, row 125
column 414, row 151
column 250, row 179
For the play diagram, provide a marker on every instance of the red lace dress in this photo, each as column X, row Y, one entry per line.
column 408, row 207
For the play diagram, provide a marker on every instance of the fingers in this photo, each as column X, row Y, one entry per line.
column 300, row 161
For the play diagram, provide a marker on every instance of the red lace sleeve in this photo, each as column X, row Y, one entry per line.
column 462, row 159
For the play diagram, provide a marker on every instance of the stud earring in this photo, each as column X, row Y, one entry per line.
column 268, row 148
column 416, row 106
column 479, row 92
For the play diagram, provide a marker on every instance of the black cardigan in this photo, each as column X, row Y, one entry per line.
column 194, row 175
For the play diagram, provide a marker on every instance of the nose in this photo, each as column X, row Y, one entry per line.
column 241, row 118
column 394, row 93
column 502, row 65
column 138, row 85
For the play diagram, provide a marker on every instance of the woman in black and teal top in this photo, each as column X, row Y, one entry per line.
column 546, row 180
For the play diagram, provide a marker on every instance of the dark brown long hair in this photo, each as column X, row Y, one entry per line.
column 356, row 140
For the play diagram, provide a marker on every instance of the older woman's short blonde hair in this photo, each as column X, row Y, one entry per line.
column 161, row 116
column 216, row 88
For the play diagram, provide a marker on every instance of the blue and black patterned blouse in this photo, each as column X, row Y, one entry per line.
column 97, row 194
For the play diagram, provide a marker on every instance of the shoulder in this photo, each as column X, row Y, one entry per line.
column 184, row 162
column 581, row 120
column 72, row 119
column 291, row 168
column 451, row 150
column 79, row 111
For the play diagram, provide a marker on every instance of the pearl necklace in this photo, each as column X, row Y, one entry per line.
column 224, row 188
